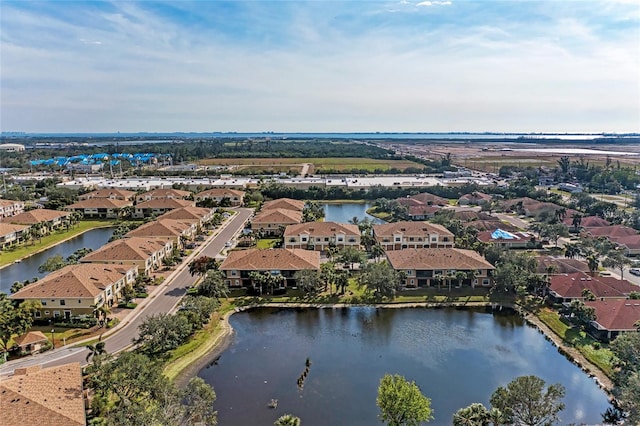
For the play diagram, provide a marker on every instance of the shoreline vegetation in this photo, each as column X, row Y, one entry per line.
column 207, row 346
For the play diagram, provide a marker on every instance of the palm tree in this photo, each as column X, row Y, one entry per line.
column 377, row 251
column 95, row 350
column 102, row 313
column 438, row 278
column 460, row 277
column 354, row 220
column 571, row 250
column 475, row 414
column 287, row 420
column 592, row 263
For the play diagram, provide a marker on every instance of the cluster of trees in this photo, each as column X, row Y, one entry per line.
column 626, row 349
column 525, row 401
column 15, row 319
column 56, row 262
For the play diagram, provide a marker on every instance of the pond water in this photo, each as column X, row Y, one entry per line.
column 28, row 268
column 457, row 357
column 344, row 212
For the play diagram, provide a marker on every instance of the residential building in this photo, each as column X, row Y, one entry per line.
column 10, row 208
column 78, row 289
column 178, row 230
column 50, row 219
column 274, row 221
column 201, row 215
column 502, row 238
column 286, row 262
column 284, row 203
column 36, row 396
column 144, row 253
column 114, row 194
column 102, row 208
column 610, row 231
column 430, row 199
column 31, row 342
column 586, row 222
column 475, row 198
column 235, row 197
column 11, row 234
column 427, row 267
column 159, row 206
column 154, row 194
column 320, row 235
column 422, row 212
column 630, row 244
column 405, row 234
column 567, row 287
column 613, row 317
column 550, row 265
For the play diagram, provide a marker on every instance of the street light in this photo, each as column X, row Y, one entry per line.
column 53, row 343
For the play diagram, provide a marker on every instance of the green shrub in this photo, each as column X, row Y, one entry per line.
column 142, row 294
column 113, row 322
column 130, row 305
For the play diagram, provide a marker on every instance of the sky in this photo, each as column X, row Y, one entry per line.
column 320, row 66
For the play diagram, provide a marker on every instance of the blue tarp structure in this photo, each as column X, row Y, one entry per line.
column 499, row 234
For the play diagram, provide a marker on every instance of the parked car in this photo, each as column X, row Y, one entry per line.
column 634, row 271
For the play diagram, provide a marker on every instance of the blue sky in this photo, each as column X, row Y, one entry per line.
column 320, row 66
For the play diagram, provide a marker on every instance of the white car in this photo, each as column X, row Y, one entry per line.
column 634, row 271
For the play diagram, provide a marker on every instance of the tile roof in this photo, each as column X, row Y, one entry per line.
column 486, row 237
column 587, row 221
column 35, row 216
column 429, row 198
column 270, row 259
column 437, row 258
column 407, row 201
column 616, row 314
column 133, row 249
column 187, row 213
column 491, row 225
column 220, row 192
column 423, row 210
column 283, row 203
column 8, row 203
column 472, row 215
column 571, row 286
column 563, row 265
column 410, row 228
column 611, row 231
column 9, row 228
column 164, row 203
column 100, row 203
column 108, row 193
column 161, row 228
column 30, row 338
column 278, row 216
column 165, row 193
column 85, row 280
column 477, row 196
column 322, row 229
column 52, row 396
column 632, row 242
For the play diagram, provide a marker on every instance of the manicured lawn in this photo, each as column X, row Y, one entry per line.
column 22, row 251
column 266, row 243
column 597, row 353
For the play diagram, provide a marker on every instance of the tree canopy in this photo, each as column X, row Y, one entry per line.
column 402, row 403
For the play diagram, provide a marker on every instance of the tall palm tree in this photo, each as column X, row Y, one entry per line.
column 475, row 414
column 592, row 263
column 95, row 350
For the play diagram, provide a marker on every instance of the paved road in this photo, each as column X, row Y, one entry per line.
column 163, row 301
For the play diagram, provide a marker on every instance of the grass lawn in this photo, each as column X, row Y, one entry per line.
column 597, row 353
column 63, row 335
column 266, row 243
column 335, row 163
column 22, row 251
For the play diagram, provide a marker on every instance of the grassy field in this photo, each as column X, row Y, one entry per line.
column 22, row 251
column 596, row 353
column 336, row 163
column 266, row 243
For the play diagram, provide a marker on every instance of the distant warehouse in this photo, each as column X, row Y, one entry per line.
column 11, row 147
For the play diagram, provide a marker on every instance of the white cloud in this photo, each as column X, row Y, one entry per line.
column 434, row 3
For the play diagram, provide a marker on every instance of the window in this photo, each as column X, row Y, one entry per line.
column 38, row 314
column 43, row 302
column 234, row 273
column 79, row 301
column 398, row 239
column 409, row 272
column 340, row 239
column 237, row 282
column 485, row 282
column 412, row 282
column 303, row 239
column 445, row 239
column 56, row 314
column 292, row 240
column 62, row 302
column 46, row 312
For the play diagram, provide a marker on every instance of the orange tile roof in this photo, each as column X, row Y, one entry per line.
column 322, row 229
column 100, row 203
column 563, row 265
column 220, row 192
column 30, row 338
column 410, row 228
column 35, row 397
column 9, row 228
column 108, row 193
column 161, row 228
column 8, row 203
column 284, row 203
column 35, row 216
column 429, row 198
column 437, row 258
column 616, row 314
column 85, row 280
column 611, row 231
column 132, row 249
column 164, row 193
column 270, row 259
column 278, row 216
column 571, row 286
column 164, row 203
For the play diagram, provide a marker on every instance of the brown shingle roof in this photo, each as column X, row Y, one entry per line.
column 37, row 397
column 284, row 203
column 472, row 215
column 108, row 193
column 616, row 314
column 278, row 216
column 160, row 228
column 165, row 193
column 429, row 198
column 571, row 285
column 270, row 259
column 632, row 242
column 35, row 216
column 164, row 203
column 187, row 213
column 322, row 229
column 220, row 192
column 564, row 266
column 100, row 203
column 587, row 221
column 437, row 258
column 410, row 228
column 132, row 249
column 611, row 231
column 423, row 210
column 86, row 280
column 8, row 228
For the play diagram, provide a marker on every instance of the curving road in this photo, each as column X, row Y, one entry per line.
column 163, row 299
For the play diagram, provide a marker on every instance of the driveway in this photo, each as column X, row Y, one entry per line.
column 164, row 299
